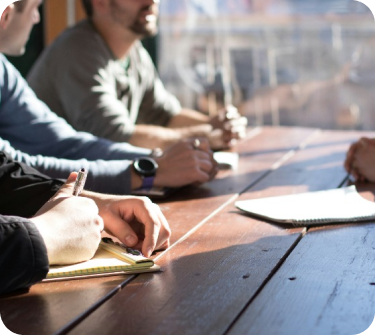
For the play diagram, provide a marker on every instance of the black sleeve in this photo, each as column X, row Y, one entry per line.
column 23, row 190
column 23, row 255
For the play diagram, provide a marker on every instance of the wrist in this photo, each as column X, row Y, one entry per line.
column 42, row 226
column 145, row 168
column 136, row 180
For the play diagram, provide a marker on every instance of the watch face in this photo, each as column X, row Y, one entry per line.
column 145, row 166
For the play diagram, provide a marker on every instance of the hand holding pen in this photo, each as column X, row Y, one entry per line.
column 228, row 126
column 76, row 222
column 234, row 124
column 69, row 225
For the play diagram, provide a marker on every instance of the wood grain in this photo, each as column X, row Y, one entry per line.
column 184, row 212
column 220, row 260
column 326, row 286
column 211, row 276
column 258, row 155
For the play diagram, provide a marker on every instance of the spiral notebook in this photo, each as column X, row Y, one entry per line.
column 312, row 208
column 111, row 258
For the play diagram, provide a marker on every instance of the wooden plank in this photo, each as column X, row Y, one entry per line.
column 206, row 281
column 62, row 302
column 49, row 306
column 326, row 286
column 313, row 167
column 258, row 155
column 211, row 275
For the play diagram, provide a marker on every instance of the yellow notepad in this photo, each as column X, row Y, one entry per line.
column 110, row 258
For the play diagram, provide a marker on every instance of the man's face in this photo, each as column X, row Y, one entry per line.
column 19, row 28
column 138, row 16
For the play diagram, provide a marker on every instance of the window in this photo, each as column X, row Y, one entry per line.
column 282, row 62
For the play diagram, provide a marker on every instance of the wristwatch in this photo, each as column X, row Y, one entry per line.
column 146, row 167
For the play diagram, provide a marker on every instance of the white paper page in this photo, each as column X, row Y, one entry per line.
column 343, row 204
column 228, row 160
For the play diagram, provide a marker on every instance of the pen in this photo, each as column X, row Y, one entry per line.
column 80, row 182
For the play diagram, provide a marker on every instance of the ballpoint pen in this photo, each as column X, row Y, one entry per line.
column 80, row 182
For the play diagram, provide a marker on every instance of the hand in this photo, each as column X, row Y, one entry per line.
column 360, row 160
column 70, row 226
column 183, row 164
column 228, row 126
column 135, row 221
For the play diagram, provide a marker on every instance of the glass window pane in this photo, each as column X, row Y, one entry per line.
column 282, row 62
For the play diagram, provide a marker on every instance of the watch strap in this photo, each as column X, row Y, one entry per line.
column 148, row 182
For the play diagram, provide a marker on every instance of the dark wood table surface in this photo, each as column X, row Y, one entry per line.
column 228, row 273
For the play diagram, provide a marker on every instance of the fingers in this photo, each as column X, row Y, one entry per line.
column 188, row 162
column 348, row 164
column 100, row 223
column 349, row 158
column 234, row 129
column 206, row 166
column 67, row 188
column 157, row 232
column 152, row 229
column 213, row 171
column 237, row 123
column 156, row 228
column 165, row 231
column 119, row 227
column 232, row 126
column 360, row 160
column 199, row 143
column 138, row 223
column 228, row 113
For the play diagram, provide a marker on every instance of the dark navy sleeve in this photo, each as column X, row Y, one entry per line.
column 31, row 133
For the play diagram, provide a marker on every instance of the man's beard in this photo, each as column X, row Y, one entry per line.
column 139, row 28
column 144, row 30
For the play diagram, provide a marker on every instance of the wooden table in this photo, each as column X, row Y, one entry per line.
column 226, row 272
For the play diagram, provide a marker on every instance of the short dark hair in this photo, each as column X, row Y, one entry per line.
column 20, row 5
column 87, row 6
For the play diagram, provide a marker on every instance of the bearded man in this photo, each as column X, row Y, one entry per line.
column 98, row 76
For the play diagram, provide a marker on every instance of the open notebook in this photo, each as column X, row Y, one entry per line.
column 306, row 209
column 110, row 258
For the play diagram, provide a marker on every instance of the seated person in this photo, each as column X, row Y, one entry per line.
column 98, row 76
column 37, row 231
column 360, row 160
column 33, row 134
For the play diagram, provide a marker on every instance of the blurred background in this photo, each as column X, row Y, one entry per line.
column 281, row 62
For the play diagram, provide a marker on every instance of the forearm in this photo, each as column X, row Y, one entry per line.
column 188, row 117
column 159, row 137
column 150, row 136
